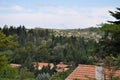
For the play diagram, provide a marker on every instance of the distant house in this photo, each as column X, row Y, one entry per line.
column 62, row 67
column 40, row 65
column 15, row 65
column 91, row 72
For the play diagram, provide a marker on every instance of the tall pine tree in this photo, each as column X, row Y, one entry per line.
column 110, row 42
column 116, row 15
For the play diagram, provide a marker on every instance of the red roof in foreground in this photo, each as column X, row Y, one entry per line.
column 82, row 72
column 87, row 72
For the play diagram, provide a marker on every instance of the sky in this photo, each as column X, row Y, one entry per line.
column 56, row 14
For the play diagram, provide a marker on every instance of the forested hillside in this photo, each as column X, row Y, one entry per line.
column 48, row 45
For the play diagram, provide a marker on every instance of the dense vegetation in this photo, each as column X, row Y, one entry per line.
column 42, row 45
column 25, row 46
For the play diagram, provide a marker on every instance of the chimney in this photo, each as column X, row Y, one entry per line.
column 99, row 73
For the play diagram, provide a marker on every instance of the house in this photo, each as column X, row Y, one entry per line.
column 15, row 65
column 62, row 67
column 91, row 72
column 40, row 65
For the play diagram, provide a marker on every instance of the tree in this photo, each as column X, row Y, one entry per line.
column 25, row 74
column 6, row 43
column 28, row 63
column 5, row 30
column 42, row 53
column 3, row 65
column 61, row 75
column 109, row 45
column 116, row 15
column 110, row 42
column 44, row 76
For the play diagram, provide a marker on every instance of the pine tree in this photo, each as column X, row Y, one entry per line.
column 110, row 42
column 116, row 15
column 44, row 76
column 109, row 45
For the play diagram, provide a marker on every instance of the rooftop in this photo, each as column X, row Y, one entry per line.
column 40, row 65
column 15, row 65
column 62, row 65
column 87, row 72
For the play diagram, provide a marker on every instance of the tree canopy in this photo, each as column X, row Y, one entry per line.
column 7, row 42
column 110, row 43
column 116, row 15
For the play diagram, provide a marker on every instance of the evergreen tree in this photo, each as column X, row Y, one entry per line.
column 110, row 43
column 116, row 15
column 6, row 43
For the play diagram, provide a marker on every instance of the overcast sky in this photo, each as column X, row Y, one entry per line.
column 60, row 14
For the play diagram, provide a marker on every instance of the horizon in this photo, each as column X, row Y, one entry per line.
column 52, row 14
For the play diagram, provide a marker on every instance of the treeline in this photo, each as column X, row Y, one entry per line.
column 41, row 45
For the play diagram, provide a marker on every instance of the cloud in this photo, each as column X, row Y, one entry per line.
column 16, row 8
column 58, row 17
column 13, row 8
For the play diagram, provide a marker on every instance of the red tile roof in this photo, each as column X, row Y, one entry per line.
column 62, row 65
column 82, row 72
column 87, row 72
column 42, row 64
column 108, row 72
column 15, row 65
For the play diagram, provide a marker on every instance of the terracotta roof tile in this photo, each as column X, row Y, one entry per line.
column 83, row 72
column 62, row 65
column 108, row 72
column 15, row 65
column 86, row 72
column 42, row 64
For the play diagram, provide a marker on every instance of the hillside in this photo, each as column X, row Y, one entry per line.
column 72, row 47
column 88, row 33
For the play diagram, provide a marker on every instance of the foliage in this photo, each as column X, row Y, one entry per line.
column 44, row 76
column 61, row 75
column 109, row 45
column 116, row 15
column 3, row 65
column 6, row 42
column 42, row 45
column 45, row 69
column 110, row 42
column 24, row 74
